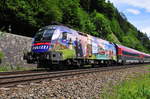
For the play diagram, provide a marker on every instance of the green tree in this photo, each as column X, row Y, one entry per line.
column 101, row 23
column 97, row 17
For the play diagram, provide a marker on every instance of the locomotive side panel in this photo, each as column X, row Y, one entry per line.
column 103, row 50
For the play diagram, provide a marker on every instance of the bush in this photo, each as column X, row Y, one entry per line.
column 137, row 88
column 1, row 56
column 10, row 68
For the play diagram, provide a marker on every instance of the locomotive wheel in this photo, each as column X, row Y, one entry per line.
column 106, row 63
column 110, row 63
column 68, row 62
column 93, row 65
column 39, row 65
column 123, row 62
column 29, row 61
column 44, row 64
column 78, row 64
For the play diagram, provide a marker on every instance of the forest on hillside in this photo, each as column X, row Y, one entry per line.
column 96, row 17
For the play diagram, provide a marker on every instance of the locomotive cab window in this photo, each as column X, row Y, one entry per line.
column 44, row 35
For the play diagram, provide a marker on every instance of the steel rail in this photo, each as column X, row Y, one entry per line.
column 8, row 81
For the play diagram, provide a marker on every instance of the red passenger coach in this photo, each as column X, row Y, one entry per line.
column 146, row 58
column 127, row 55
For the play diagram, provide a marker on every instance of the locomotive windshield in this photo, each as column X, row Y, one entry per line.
column 44, row 35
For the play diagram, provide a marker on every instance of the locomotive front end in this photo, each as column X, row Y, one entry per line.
column 42, row 46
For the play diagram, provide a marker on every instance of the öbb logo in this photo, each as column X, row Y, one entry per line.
column 40, row 47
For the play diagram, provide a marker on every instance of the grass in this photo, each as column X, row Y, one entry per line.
column 1, row 55
column 136, row 88
column 13, row 68
column 147, row 65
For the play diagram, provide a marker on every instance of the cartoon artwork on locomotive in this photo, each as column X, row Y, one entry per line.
column 57, row 44
column 103, row 49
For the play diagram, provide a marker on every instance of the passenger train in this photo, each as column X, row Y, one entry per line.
column 58, row 44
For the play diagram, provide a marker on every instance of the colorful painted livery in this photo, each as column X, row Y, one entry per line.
column 56, row 44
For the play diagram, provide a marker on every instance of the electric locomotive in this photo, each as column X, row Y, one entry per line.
column 57, row 44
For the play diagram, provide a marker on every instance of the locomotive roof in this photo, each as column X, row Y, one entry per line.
column 54, row 27
column 61, row 27
column 69, row 30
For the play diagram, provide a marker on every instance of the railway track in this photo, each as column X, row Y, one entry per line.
column 20, row 72
column 10, row 80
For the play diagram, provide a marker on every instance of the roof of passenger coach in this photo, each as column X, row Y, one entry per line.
column 132, row 50
column 129, row 49
column 146, row 54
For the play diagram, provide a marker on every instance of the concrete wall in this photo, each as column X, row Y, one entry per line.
column 13, row 47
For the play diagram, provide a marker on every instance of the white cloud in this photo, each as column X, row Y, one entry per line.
column 142, row 22
column 133, row 11
column 145, row 4
column 146, row 30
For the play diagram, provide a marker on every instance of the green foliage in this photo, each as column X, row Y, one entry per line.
column 116, row 29
column 70, row 12
column 10, row 68
column 96, row 17
column 4, row 68
column 48, row 11
column 131, row 41
column 137, row 88
column 112, row 38
column 104, row 7
column 101, row 23
column 148, row 66
column 1, row 55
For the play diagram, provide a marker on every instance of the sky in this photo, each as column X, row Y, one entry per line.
column 137, row 13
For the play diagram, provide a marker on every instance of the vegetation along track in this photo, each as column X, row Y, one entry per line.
column 24, row 78
column 21, row 72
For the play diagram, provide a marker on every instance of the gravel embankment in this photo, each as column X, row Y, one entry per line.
column 82, row 87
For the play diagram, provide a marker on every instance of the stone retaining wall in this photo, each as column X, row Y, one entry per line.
column 13, row 47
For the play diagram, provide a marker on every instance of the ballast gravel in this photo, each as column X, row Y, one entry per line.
column 81, row 87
